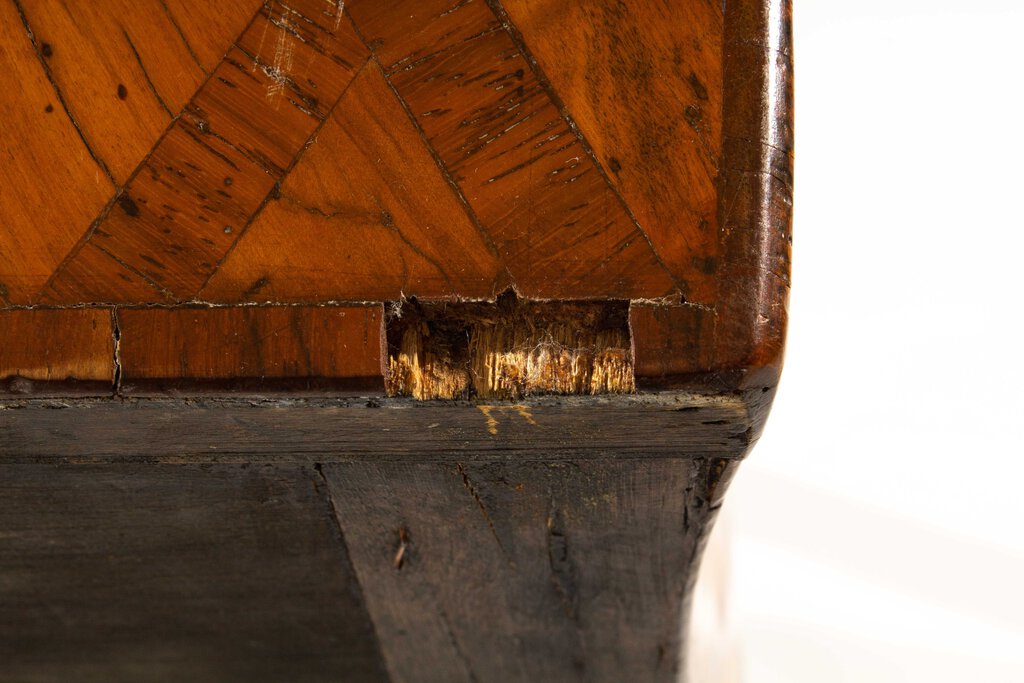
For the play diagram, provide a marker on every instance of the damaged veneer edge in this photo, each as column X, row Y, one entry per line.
column 508, row 349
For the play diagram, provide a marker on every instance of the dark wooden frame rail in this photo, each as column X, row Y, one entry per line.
column 265, row 527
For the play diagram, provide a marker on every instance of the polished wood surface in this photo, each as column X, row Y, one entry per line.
column 317, row 153
column 313, row 349
column 401, row 340
column 82, row 363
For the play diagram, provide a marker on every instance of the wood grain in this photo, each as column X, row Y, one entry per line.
column 96, row 276
column 174, row 573
column 62, row 352
column 574, row 567
column 481, row 145
column 202, row 205
column 756, row 190
column 550, row 429
column 367, row 215
column 207, row 28
column 602, row 57
column 671, row 343
column 206, row 179
column 517, row 161
column 508, row 350
column 299, row 349
column 122, row 89
column 43, row 152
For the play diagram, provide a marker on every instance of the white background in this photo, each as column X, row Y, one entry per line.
column 877, row 531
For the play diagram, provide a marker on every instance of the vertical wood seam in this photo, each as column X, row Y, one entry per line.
column 116, row 332
column 320, row 479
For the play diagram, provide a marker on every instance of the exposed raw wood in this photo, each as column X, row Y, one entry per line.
column 508, row 349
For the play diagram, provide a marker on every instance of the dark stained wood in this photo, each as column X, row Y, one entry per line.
column 177, row 573
column 32, row 364
column 755, row 200
column 377, row 428
column 367, row 215
column 602, row 57
column 529, row 561
column 524, row 571
column 280, row 348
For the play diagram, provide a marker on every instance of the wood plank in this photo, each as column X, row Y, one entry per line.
column 387, row 207
column 256, row 349
column 177, row 573
column 329, row 430
column 367, row 215
column 577, row 568
column 243, row 130
column 56, row 352
column 43, row 153
column 602, row 57
column 557, row 224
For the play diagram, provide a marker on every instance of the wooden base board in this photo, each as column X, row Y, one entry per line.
column 154, row 540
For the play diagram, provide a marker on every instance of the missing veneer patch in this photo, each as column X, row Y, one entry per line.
column 508, row 349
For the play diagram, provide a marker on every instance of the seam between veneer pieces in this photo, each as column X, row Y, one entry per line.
column 563, row 111
column 116, row 331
